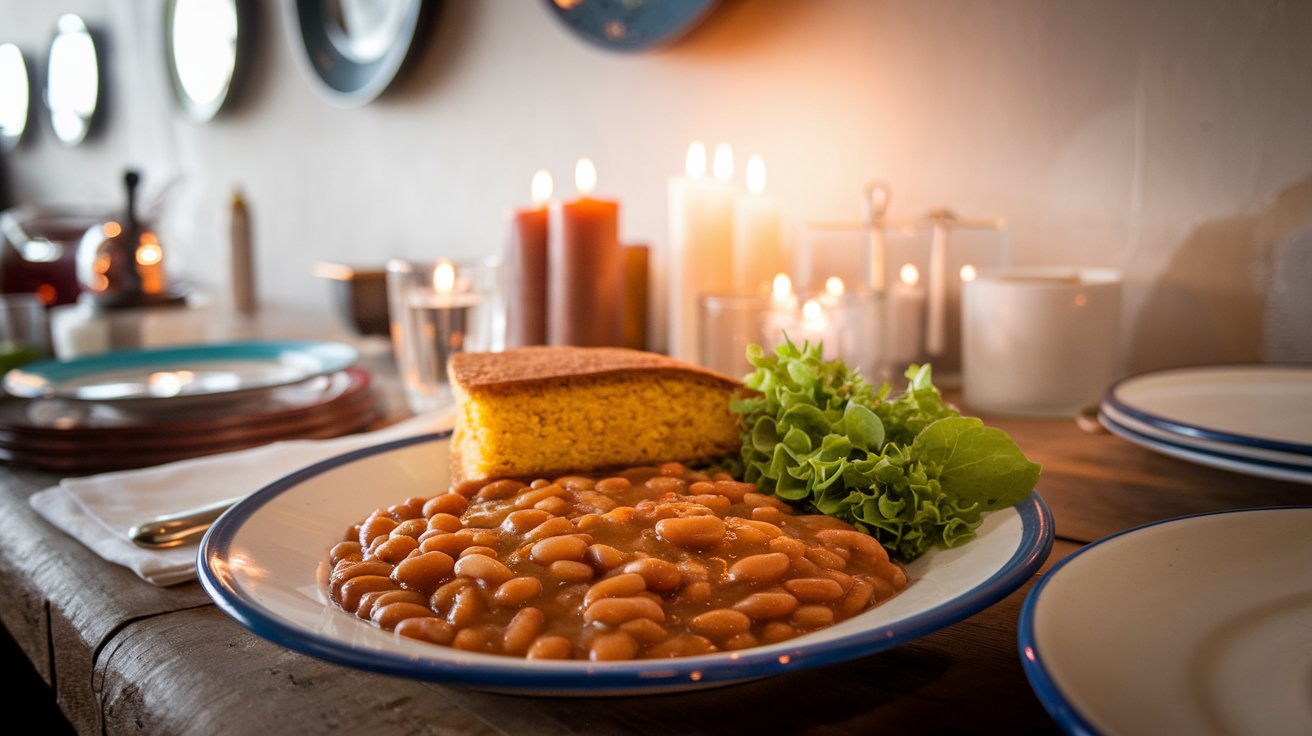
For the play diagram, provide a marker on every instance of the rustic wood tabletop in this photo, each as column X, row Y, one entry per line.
column 125, row 656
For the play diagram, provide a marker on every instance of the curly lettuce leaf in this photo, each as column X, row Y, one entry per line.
column 908, row 469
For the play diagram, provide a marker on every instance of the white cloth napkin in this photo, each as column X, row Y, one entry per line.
column 99, row 510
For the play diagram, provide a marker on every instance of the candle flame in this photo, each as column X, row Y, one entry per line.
column 150, row 252
column 812, row 311
column 782, row 288
column 585, row 176
column 755, row 174
column 695, row 164
column 723, row 162
column 909, row 274
column 444, row 277
column 968, row 273
column 541, row 187
column 834, row 287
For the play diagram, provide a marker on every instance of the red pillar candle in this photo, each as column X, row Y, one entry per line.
column 585, row 267
column 526, row 265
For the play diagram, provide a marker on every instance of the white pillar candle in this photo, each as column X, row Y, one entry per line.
column 906, row 320
column 701, row 243
column 757, row 246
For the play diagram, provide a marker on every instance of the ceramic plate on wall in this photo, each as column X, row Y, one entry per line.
column 265, row 563
column 631, row 25
column 1199, row 624
column 354, row 49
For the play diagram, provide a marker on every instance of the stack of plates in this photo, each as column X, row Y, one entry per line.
column 1254, row 419
column 135, row 408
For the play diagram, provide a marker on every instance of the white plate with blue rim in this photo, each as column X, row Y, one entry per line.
column 265, row 563
column 1263, row 411
column 172, row 374
column 1199, row 624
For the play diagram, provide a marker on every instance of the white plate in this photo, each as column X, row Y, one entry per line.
column 264, row 562
column 1194, row 625
column 1296, row 473
column 1265, row 407
column 1199, row 444
column 187, row 372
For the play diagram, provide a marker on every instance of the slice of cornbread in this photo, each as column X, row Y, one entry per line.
column 535, row 411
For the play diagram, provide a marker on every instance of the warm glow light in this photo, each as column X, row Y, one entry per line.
column 1081, row 300
column 723, row 162
column 834, row 287
column 541, row 187
column 111, row 229
column 968, row 272
column 813, row 311
column 585, row 176
column 755, row 174
column 695, row 164
column 782, row 288
column 444, row 277
column 909, row 274
column 149, row 253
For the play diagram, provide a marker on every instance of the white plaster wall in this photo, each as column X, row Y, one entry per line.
column 1169, row 138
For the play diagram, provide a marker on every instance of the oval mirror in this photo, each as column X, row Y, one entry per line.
column 72, row 80
column 15, row 96
column 354, row 49
column 202, row 39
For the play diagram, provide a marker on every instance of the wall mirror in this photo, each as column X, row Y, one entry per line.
column 354, row 49
column 72, row 80
column 15, row 96
column 204, row 40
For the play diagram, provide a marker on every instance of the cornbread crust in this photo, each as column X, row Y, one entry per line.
column 535, row 411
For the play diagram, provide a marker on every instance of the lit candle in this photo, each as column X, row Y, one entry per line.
column 906, row 319
column 834, row 291
column 701, row 243
column 816, row 328
column 782, row 315
column 433, row 329
column 526, row 266
column 585, row 267
column 757, row 249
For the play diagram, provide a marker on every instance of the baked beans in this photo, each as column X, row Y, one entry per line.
column 650, row 562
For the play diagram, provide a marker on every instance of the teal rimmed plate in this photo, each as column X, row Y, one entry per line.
column 201, row 371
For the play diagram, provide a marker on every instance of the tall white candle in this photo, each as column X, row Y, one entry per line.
column 700, row 259
column 906, row 319
column 757, row 246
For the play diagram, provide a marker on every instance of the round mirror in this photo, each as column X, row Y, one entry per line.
column 15, row 96
column 201, row 38
column 72, row 80
column 354, row 49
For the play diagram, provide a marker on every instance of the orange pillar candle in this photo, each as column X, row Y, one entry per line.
column 526, row 266
column 585, row 267
column 633, row 327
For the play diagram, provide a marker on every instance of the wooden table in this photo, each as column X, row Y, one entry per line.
column 124, row 656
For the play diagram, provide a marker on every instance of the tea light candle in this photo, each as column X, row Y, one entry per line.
column 817, row 328
column 526, row 261
column 782, row 315
column 435, row 324
column 585, row 267
column 757, row 249
column 701, row 212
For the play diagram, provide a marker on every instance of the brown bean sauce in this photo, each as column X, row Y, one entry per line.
column 646, row 563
